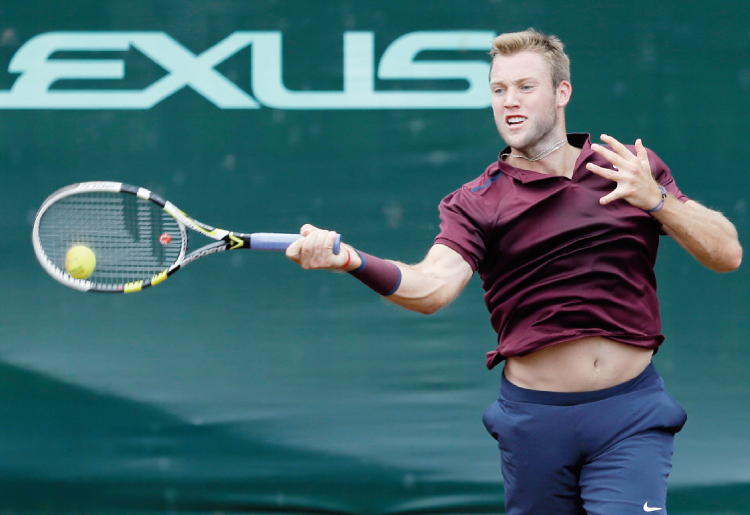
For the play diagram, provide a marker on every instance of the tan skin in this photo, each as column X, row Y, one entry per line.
column 522, row 92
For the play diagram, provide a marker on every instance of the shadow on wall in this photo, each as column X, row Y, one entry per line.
column 73, row 450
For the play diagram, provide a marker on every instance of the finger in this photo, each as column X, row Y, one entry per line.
column 331, row 240
column 322, row 249
column 607, row 173
column 293, row 250
column 640, row 149
column 317, row 249
column 614, row 195
column 642, row 153
column 614, row 158
column 307, row 229
column 331, row 258
column 307, row 249
column 618, row 147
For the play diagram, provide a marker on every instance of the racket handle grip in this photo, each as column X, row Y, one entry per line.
column 279, row 241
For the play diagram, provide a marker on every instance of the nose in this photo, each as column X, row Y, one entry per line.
column 511, row 98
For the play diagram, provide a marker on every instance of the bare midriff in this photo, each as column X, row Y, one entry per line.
column 582, row 365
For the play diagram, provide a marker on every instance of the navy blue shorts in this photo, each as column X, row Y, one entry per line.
column 602, row 452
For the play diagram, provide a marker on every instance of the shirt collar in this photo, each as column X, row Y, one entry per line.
column 578, row 140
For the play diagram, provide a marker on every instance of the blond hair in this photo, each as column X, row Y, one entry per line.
column 548, row 46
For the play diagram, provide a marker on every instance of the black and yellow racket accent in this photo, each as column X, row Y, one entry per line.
column 138, row 238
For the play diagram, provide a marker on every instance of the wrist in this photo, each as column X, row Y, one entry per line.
column 353, row 260
column 660, row 204
column 380, row 275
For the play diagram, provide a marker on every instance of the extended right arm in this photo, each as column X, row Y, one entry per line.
column 433, row 283
column 424, row 287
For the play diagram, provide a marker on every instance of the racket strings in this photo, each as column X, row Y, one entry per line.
column 132, row 238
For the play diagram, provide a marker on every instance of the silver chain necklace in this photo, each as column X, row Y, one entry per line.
column 544, row 153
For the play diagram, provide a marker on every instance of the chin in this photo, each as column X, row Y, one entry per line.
column 509, row 139
column 517, row 141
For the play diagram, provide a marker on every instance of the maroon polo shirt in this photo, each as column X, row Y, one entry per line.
column 555, row 264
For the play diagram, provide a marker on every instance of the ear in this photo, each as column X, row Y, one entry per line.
column 563, row 93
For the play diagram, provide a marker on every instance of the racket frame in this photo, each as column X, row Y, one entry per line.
column 225, row 240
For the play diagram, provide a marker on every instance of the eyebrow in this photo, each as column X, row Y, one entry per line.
column 517, row 81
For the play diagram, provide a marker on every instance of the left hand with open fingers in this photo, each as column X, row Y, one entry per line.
column 632, row 173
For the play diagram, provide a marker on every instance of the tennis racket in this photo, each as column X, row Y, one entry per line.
column 138, row 239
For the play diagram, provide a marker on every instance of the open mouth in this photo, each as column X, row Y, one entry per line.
column 515, row 120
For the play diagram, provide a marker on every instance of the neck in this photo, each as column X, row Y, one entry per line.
column 555, row 161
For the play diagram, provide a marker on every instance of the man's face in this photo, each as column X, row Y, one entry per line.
column 524, row 103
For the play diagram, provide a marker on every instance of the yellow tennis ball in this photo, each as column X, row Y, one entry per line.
column 80, row 262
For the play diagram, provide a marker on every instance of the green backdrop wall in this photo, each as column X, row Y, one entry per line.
column 247, row 385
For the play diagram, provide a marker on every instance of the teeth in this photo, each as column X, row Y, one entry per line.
column 516, row 119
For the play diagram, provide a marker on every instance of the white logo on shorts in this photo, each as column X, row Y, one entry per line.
column 647, row 508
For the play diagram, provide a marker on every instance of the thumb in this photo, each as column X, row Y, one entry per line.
column 293, row 250
column 613, row 195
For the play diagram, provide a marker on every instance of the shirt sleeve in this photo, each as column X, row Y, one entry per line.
column 464, row 226
column 663, row 176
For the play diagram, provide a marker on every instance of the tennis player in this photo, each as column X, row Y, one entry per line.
column 563, row 233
